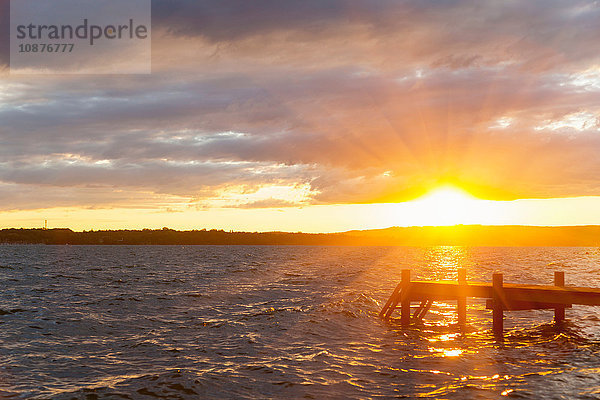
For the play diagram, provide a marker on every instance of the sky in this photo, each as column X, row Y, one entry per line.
column 316, row 116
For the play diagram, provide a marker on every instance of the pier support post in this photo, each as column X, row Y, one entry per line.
column 559, row 311
column 461, row 303
column 497, row 312
column 404, row 299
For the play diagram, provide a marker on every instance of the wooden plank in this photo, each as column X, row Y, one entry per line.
column 553, row 294
column 535, row 293
column 390, row 300
column 419, row 309
column 395, row 299
column 426, row 309
column 422, row 310
column 450, row 290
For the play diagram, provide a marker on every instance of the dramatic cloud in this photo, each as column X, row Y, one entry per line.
column 351, row 101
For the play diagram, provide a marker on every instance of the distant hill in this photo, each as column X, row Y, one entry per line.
column 482, row 235
column 459, row 235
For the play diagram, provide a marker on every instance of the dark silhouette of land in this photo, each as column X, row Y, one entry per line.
column 459, row 235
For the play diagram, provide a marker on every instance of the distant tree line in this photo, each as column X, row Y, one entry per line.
column 154, row 237
column 459, row 235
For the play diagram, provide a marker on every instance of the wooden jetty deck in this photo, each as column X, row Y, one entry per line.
column 500, row 297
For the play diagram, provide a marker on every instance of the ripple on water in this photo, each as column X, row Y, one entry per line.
column 280, row 321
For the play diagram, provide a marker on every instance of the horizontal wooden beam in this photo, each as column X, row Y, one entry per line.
column 449, row 290
column 444, row 290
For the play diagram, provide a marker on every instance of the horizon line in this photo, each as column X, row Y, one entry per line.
column 307, row 233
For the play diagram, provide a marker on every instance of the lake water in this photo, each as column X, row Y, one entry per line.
column 143, row 322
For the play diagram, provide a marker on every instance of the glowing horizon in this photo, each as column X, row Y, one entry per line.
column 442, row 206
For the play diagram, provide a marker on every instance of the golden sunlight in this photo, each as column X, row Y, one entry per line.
column 446, row 205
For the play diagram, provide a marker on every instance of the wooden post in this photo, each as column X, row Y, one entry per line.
column 461, row 302
column 559, row 311
column 498, row 313
column 404, row 299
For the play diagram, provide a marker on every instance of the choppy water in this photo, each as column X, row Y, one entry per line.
column 137, row 322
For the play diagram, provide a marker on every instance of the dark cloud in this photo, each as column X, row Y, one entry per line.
column 161, row 177
column 538, row 34
column 235, row 19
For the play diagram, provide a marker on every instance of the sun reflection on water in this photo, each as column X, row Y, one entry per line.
column 447, row 352
column 444, row 338
column 443, row 262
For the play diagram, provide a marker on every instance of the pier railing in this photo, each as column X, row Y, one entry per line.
column 500, row 297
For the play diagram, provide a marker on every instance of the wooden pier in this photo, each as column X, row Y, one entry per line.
column 500, row 297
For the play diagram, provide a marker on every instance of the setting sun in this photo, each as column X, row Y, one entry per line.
column 446, row 205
